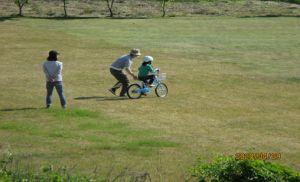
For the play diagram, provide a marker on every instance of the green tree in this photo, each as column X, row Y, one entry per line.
column 20, row 4
column 65, row 7
column 164, row 6
column 110, row 5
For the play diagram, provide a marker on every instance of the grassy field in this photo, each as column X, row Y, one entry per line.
column 233, row 82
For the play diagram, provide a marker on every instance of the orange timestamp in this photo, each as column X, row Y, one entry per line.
column 258, row 156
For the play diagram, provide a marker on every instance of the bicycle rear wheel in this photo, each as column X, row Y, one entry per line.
column 134, row 91
column 161, row 90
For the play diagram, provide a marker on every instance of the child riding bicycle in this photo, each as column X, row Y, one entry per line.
column 150, row 77
column 146, row 71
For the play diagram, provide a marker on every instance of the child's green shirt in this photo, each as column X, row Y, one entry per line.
column 144, row 70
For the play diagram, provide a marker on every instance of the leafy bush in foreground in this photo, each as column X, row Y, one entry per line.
column 228, row 169
column 11, row 171
column 48, row 174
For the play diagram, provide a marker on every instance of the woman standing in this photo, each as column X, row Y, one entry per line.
column 53, row 73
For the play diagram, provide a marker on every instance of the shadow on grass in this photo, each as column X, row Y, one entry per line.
column 128, row 17
column 12, row 17
column 101, row 98
column 5, row 18
column 84, row 17
column 62, row 18
column 270, row 16
column 89, row 97
column 19, row 109
column 105, row 98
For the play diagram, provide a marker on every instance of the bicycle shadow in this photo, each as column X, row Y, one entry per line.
column 106, row 98
column 88, row 97
column 101, row 98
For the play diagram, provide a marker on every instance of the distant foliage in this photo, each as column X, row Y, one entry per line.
column 150, row 8
column 288, row 1
column 227, row 169
column 191, row 0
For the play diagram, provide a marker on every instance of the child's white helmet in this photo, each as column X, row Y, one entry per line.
column 147, row 59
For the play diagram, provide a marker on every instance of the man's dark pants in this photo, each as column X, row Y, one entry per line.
column 122, row 78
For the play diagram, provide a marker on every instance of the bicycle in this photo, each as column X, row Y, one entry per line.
column 136, row 90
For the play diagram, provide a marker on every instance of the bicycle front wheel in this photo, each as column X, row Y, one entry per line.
column 161, row 90
column 134, row 91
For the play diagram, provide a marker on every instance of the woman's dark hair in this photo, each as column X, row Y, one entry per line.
column 52, row 56
column 144, row 64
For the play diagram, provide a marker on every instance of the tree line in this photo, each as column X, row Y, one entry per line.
column 110, row 6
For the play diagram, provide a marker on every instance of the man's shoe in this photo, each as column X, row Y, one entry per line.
column 113, row 91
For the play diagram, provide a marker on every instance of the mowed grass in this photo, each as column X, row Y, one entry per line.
column 90, row 130
column 233, row 82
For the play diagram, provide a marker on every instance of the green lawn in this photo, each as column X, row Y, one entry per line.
column 233, row 82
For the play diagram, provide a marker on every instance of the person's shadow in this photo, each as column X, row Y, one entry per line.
column 101, row 98
column 105, row 98
column 19, row 109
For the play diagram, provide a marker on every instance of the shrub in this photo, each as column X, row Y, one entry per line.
column 10, row 172
column 227, row 169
